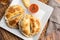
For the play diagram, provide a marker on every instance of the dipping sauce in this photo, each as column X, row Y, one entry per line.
column 33, row 8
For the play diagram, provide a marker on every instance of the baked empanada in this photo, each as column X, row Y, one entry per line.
column 24, row 25
column 29, row 25
column 13, row 11
column 13, row 15
column 13, row 23
column 26, row 3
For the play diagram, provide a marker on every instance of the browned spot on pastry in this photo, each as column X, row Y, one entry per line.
column 8, row 15
column 26, row 32
column 17, row 8
column 37, row 29
column 26, row 24
column 15, row 21
column 37, row 22
column 11, row 9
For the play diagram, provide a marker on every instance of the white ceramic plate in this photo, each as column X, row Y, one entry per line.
column 43, row 14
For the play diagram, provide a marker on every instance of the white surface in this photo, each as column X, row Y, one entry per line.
column 43, row 14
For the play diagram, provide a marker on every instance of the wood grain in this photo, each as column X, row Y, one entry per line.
column 8, row 36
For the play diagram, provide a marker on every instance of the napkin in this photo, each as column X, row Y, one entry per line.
column 54, row 21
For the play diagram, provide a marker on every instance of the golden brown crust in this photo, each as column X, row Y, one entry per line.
column 29, row 25
column 35, row 26
column 24, row 25
column 13, row 11
column 9, row 23
column 13, row 15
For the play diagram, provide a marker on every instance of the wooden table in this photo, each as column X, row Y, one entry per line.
column 5, row 35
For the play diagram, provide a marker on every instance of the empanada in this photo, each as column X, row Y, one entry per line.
column 24, row 25
column 29, row 25
column 13, row 11
column 26, row 3
column 13, row 15
column 13, row 23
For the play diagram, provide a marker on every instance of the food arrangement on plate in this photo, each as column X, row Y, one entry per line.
column 26, row 18
column 15, row 17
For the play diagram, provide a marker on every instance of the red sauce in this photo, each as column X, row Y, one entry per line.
column 33, row 8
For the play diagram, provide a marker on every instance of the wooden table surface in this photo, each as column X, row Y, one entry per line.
column 5, row 35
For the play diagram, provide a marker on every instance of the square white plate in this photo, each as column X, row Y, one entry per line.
column 43, row 14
